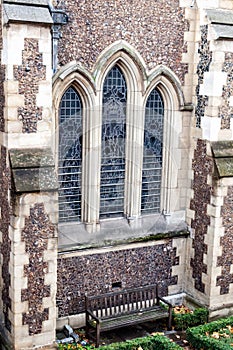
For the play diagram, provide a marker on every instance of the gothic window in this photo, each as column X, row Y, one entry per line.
column 113, row 144
column 70, row 156
column 152, row 154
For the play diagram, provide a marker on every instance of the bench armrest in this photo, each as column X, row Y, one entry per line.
column 165, row 302
column 89, row 312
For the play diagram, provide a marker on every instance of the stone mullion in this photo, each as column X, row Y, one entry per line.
column 91, row 168
column 134, row 156
column 167, row 174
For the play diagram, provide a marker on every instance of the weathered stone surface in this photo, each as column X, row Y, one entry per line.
column 223, row 31
column 225, row 110
column 220, row 16
column 226, row 260
column 31, row 158
column 155, row 30
column 2, row 79
column 202, row 67
column 34, row 180
column 28, row 2
column 223, row 157
column 95, row 273
column 202, row 167
column 20, row 13
column 33, row 170
column 29, row 74
column 224, row 167
column 222, row 149
column 38, row 229
column 5, row 244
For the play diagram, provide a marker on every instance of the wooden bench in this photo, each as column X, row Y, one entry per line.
column 123, row 308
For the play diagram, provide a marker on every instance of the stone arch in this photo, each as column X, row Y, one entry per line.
column 166, row 82
column 171, row 82
column 130, row 61
column 72, row 75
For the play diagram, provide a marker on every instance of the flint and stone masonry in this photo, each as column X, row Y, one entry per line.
column 184, row 49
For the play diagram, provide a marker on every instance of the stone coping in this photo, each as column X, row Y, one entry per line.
column 220, row 16
column 33, row 170
column 28, row 2
column 223, row 157
column 223, row 31
column 33, row 13
column 31, row 158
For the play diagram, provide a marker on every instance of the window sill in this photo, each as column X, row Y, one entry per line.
column 74, row 236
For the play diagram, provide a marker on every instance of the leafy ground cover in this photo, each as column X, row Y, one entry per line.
column 183, row 317
column 217, row 335
column 156, row 341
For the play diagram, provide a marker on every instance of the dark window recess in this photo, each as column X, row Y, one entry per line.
column 116, row 285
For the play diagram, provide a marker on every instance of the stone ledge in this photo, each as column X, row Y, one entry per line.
column 106, row 244
column 33, row 170
column 223, row 158
column 220, row 16
column 15, row 12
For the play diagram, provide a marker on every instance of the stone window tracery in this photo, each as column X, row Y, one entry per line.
column 152, row 153
column 113, row 144
column 70, row 156
column 118, row 155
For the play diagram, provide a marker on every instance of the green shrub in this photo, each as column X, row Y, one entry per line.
column 199, row 337
column 197, row 317
column 158, row 342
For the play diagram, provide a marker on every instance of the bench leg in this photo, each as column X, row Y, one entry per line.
column 97, row 335
column 170, row 319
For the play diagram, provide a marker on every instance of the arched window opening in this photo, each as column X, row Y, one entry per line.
column 70, row 156
column 152, row 153
column 113, row 144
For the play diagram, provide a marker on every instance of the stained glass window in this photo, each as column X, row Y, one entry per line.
column 113, row 144
column 70, row 156
column 152, row 155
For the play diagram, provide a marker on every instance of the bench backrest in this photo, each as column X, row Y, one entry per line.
column 123, row 302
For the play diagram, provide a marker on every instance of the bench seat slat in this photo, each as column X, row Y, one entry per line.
column 130, row 319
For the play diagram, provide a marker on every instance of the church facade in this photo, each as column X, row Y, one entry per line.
column 116, row 157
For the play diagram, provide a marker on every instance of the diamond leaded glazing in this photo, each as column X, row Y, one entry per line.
column 113, row 144
column 152, row 156
column 70, row 156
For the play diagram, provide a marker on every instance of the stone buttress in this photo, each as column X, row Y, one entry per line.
column 28, row 240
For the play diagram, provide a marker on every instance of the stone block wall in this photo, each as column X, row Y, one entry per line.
column 155, row 30
column 209, row 276
column 33, row 264
column 225, row 260
column 210, row 255
column 28, row 233
column 97, row 271
column 28, row 85
column 5, row 240
column 202, row 168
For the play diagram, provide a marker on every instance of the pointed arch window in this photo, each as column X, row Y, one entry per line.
column 70, row 156
column 115, row 141
column 113, row 144
column 152, row 153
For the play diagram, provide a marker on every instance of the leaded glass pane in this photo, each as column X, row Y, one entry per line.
column 113, row 144
column 70, row 156
column 152, row 155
